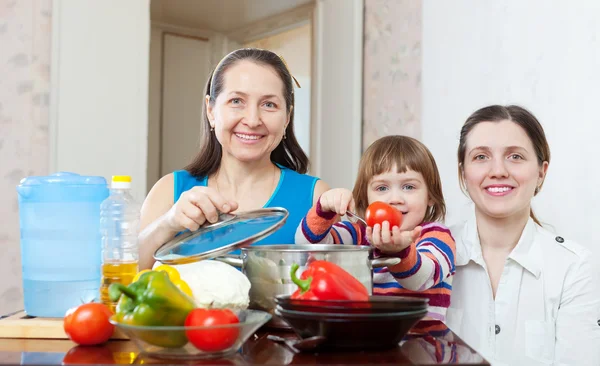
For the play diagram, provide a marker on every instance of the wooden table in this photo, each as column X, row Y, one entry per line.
column 425, row 349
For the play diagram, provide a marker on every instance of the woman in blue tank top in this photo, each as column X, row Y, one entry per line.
column 249, row 157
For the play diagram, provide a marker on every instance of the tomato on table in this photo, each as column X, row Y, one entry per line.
column 90, row 355
column 215, row 339
column 88, row 324
column 378, row 212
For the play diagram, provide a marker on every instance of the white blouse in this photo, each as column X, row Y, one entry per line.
column 547, row 306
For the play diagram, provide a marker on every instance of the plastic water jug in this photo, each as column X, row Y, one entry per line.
column 60, row 241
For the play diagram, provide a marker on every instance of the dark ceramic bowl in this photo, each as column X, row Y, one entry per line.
column 375, row 305
column 355, row 332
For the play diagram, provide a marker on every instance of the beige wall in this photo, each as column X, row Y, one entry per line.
column 100, row 89
column 25, row 31
column 294, row 45
column 336, row 126
column 185, row 71
column 392, row 69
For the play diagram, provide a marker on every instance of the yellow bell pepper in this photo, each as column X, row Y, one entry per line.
column 175, row 277
column 184, row 287
column 137, row 276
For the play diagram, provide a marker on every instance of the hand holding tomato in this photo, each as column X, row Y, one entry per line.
column 378, row 212
column 392, row 240
column 88, row 324
column 215, row 339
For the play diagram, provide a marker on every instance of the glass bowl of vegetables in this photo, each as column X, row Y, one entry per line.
column 223, row 334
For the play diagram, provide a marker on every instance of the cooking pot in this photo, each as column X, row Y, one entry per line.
column 268, row 268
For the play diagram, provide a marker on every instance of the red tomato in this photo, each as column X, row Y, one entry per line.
column 88, row 324
column 216, row 339
column 378, row 212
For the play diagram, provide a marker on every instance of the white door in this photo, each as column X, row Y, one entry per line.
column 185, row 69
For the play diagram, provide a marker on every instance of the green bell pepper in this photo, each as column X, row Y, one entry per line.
column 154, row 301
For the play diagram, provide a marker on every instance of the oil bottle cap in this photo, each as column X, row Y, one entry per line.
column 121, row 181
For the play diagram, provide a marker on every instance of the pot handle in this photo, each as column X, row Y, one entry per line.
column 384, row 262
column 232, row 260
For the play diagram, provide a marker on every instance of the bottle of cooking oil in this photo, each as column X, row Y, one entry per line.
column 119, row 222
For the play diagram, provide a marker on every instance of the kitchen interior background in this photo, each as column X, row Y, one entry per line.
column 80, row 88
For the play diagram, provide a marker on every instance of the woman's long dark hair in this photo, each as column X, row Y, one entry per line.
column 288, row 153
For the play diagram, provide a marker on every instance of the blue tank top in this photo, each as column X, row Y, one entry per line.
column 294, row 192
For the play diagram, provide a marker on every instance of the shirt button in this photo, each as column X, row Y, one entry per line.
column 497, row 329
column 599, row 322
column 559, row 239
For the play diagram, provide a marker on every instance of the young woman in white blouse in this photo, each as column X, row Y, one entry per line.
column 522, row 295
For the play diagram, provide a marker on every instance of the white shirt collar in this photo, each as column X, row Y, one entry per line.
column 526, row 253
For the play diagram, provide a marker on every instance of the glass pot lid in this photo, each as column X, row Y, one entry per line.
column 231, row 232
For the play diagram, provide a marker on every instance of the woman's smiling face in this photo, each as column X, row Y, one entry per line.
column 249, row 116
column 501, row 169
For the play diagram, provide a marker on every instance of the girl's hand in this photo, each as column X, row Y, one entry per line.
column 337, row 200
column 195, row 207
column 392, row 241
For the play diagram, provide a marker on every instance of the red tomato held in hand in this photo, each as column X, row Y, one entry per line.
column 216, row 339
column 378, row 212
column 88, row 324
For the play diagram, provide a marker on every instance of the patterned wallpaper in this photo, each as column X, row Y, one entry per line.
column 25, row 27
column 392, row 69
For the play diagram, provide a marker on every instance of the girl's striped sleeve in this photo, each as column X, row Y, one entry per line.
column 319, row 227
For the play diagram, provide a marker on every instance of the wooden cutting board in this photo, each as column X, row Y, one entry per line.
column 20, row 325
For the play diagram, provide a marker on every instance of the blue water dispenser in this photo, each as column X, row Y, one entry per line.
column 60, row 241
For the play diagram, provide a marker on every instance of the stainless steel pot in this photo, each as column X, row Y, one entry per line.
column 268, row 268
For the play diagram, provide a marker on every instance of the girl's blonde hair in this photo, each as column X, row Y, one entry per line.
column 405, row 153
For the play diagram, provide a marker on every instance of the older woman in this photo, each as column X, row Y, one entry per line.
column 249, row 157
column 522, row 295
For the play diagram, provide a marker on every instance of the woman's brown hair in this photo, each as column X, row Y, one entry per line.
column 516, row 114
column 405, row 153
column 288, row 153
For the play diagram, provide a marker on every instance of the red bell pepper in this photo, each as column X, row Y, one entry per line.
column 324, row 280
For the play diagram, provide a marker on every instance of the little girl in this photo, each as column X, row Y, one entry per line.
column 400, row 171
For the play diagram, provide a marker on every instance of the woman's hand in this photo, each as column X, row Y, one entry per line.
column 391, row 241
column 195, row 207
column 338, row 200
